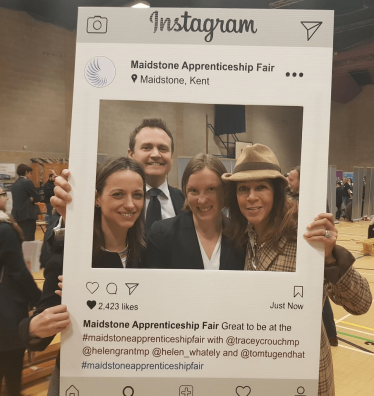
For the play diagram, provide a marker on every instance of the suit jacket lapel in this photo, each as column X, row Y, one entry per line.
column 172, row 199
column 176, row 200
column 191, row 242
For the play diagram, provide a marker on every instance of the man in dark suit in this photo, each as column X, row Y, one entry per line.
column 48, row 192
column 24, row 196
column 152, row 144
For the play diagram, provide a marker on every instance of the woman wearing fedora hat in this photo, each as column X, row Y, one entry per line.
column 264, row 219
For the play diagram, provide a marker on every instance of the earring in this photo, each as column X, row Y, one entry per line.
column 97, row 205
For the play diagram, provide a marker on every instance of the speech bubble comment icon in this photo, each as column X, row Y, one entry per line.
column 132, row 287
column 92, row 287
column 128, row 391
column 111, row 288
column 243, row 390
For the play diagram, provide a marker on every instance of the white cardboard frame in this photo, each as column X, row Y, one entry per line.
column 198, row 296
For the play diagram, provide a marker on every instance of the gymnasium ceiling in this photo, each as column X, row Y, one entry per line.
column 353, row 35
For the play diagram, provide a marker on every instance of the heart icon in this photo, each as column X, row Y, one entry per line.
column 92, row 287
column 243, row 390
column 92, row 304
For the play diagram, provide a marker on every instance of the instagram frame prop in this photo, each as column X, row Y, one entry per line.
column 169, row 332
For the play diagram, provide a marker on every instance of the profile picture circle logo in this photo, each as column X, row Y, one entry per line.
column 100, row 72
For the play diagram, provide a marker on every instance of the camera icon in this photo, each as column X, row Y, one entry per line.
column 97, row 24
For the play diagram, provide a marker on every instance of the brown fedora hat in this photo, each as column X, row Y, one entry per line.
column 257, row 162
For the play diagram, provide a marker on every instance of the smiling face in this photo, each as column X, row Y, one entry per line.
column 153, row 151
column 121, row 201
column 255, row 200
column 205, row 195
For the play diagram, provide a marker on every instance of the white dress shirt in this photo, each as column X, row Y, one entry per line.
column 167, row 208
column 214, row 262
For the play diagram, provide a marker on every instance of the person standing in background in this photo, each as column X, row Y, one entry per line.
column 18, row 291
column 48, row 193
column 347, row 192
column 24, row 196
column 293, row 179
column 339, row 199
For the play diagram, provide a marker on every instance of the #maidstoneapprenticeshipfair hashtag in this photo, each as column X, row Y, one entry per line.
column 181, row 366
column 146, row 339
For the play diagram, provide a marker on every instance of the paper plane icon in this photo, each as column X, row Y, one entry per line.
column 311, row 28
column 132, row 287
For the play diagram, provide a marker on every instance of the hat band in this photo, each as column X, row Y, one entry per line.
column 256, row 166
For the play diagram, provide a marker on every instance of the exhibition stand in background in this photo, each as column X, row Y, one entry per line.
column 358, row 213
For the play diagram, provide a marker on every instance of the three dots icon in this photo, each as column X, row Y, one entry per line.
column 294, row 74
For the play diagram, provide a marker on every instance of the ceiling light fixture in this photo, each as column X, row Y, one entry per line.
column 138, row 4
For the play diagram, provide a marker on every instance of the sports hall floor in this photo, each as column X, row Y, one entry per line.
column 354, row 357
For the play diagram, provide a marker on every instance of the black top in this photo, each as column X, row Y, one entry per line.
column 18, row 290
column 345, row 190
column 112, row 260
column 48, row 191
column 49, row 299
column 173, row 243
column 49, row 245
column 23, row 209
column 339, row 194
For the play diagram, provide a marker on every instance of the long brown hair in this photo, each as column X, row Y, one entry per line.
column 282, row 219
column 135, row 235
column 199, row 162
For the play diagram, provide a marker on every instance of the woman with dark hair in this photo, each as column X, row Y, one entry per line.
column 119, row 214
column 18, row 294
column 118, row 242
column 194, row 239
column 264, row 221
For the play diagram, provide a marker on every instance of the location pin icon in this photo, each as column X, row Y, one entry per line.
column 134, row 77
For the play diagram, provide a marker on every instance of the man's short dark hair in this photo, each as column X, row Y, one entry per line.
column 22, row 169
column 50, row 175
column 150, row 123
